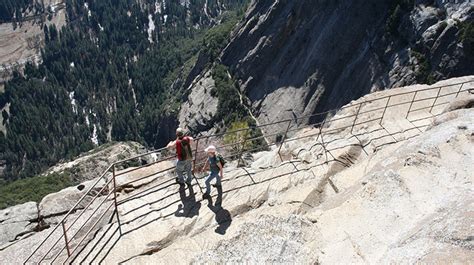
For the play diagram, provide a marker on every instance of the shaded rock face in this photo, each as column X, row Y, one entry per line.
column 434, row 30
column 311, row 56
column 197, row 112
column 166, row 131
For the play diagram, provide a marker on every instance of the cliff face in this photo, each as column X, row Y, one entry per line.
column 311, row 56
column 399, row 195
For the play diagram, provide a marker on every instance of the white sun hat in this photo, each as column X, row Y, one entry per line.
column 180, row 132
column 210, row 148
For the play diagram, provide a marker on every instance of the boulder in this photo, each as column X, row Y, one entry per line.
column 61, row 202
column 137, row 177
column 93, row 163
column 17, row 221
column 461, row 103
column 18, row 251
column 23, row 212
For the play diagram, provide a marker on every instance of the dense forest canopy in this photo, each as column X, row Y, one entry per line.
column 10, row 9
column 109, row 75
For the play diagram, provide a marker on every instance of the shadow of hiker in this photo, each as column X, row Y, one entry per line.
column 190, row 206
column 223, row 217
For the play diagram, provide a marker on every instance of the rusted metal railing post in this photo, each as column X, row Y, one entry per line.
column 195, row 153
column 436, row 98
column 65, row 239
column 381, row 119
column 115, row 200
column 194, row 165
column 322, row 140
column 385, row 109
column 283, row 140
column 411, row 104
column 354, row 123
column 409, row 110
column 457, row 94
column 355, row 118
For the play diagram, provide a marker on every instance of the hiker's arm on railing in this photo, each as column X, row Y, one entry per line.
column 171, row 144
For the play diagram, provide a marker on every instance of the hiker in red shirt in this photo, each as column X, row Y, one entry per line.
column 184, row 164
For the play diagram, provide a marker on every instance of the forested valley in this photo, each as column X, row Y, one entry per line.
column 114, row 73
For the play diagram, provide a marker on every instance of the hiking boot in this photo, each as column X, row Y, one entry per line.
column 179, row 182
column 206, row 196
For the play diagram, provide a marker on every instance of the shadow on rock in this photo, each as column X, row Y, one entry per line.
column 223, row 217
column 189, row 207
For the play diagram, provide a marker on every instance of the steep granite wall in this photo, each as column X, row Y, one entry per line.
column 311, row 56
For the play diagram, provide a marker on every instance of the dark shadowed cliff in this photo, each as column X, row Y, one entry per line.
column 311, row 56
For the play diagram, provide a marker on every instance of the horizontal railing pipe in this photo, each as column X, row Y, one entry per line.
column 76, row 219
column 90, row 229
column 144, row 166
column 70, row 211
column 149, row 176
column 79, row 229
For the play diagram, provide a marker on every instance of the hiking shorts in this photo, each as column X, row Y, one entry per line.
column 184, row 167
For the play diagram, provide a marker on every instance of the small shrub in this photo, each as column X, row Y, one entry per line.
column 394, row 21
column 279, row 137
column 213, row 92
column 244, row 135
column 399, row 9
column 466, row 36
column 430, row 79
column 218, row 37
column 424, row 74
column 237, row 133
column 229, row 108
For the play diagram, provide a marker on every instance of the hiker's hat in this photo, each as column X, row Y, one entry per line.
column 210, row 148
column 180, row 132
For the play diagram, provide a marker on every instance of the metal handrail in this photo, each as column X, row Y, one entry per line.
column 77, row 232
column 69, row 212
column 65, row 230
column 318, row 114
column 239, row 152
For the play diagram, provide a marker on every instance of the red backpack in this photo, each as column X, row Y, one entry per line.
column 183, row 149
